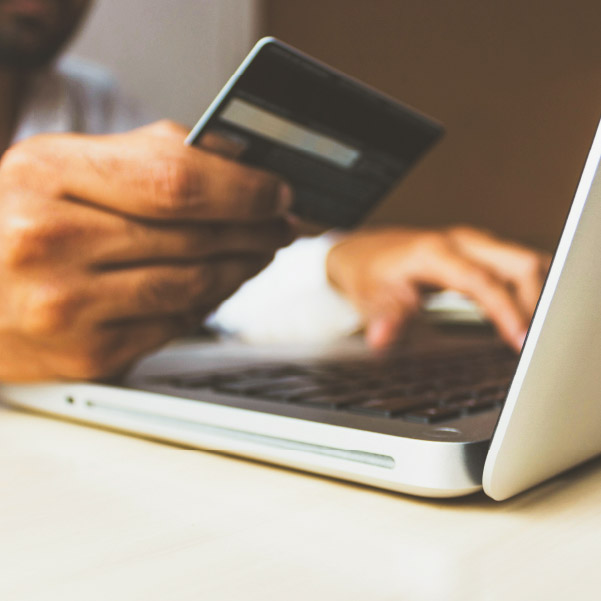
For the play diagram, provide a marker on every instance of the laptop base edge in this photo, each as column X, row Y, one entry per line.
column 426, row 468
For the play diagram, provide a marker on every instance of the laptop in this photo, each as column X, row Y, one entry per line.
column 436, row 422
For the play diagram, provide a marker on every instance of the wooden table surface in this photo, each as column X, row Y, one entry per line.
column 87, row 514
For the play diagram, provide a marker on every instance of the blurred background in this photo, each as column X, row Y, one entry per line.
column 517, row 85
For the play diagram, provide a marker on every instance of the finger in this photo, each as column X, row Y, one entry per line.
column 110, row 350
column 143, row 243
column 153, row 176
column 449, row 269
column 105, row 240
column 524, row 268
column 84, row 236
column 223, row 144
column 383, row 331
column 387, row 311
column 149, row 291
column 131, row 341
column 166, row 129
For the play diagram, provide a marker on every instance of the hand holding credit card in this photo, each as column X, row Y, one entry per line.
column 340, row 144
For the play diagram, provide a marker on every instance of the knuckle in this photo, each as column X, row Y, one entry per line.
column 480, row 280
column 430, row 243
column 31, row 240
column 16, row 159
column 50, row 311
column 477, row 283
column 530, row 266
column 32, row 164
column 174, row 184
column 20, row 244
column 166, row 127
column 26, row 242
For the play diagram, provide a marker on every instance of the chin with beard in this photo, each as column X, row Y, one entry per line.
column 33, row 32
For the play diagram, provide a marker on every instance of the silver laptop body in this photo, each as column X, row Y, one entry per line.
column 549, row 421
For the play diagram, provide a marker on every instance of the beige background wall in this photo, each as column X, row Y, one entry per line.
column 175, row 54
column 517, row 84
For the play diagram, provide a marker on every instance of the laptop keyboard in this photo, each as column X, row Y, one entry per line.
column 427, row 390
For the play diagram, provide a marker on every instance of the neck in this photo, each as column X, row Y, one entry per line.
column 11, row 91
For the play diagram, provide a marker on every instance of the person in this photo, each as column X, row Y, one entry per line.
column 115, row 240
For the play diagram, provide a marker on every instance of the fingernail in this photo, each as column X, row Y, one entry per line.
column 284, row 198
column 379, row 334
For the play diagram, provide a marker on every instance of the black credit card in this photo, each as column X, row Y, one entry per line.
column 339, row 143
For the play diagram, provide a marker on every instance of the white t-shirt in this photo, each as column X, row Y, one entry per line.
column 289, row 301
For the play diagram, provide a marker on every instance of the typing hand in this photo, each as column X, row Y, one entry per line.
column 384, row 272
column 112, row 245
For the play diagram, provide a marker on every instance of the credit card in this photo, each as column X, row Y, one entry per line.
column 340, row 144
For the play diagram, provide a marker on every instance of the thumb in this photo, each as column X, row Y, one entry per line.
column 229, row 147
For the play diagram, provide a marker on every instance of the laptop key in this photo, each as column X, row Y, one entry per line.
column 242, row 387
column 424, row 390
column 187, row 382
column 472, row 405
column 454, row 397
column 495, row 384
column 328, row 401
column 286, row 394
column 478, row 405
column 385, row 407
